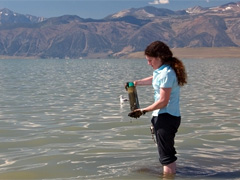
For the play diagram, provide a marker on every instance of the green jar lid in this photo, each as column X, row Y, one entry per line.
column 131, row 84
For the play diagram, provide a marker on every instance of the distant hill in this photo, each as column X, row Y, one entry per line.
column 9, row 17
column 118, row 34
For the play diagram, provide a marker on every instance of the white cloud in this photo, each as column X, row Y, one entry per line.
column 164, row 1
column 159, row 2
column 154, row 2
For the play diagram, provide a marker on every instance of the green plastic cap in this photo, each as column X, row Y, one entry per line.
column 131, row 84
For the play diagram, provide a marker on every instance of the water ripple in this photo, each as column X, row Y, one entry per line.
column 63, row 118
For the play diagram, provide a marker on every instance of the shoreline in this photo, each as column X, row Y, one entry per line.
column 197, row 53
column 200, row 53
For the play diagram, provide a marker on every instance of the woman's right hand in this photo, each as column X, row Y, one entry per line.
column 126, row 85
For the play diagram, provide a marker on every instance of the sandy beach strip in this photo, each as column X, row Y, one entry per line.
column 201, row 53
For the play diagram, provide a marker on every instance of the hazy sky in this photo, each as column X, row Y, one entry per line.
column 97, row 9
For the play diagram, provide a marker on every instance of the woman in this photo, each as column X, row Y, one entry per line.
column 168, row 75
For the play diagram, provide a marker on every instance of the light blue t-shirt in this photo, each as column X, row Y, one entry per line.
column 165, row 77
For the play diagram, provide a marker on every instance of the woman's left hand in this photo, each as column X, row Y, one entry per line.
column 136, row 113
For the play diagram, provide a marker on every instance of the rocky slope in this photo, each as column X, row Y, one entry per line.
column 118, row 34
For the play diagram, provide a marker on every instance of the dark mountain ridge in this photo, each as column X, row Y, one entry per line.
column 118, row 34
column 9, row 17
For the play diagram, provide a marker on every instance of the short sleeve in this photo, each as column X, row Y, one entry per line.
column 167, row 79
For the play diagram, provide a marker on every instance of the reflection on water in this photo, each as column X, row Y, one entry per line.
column 61, row 119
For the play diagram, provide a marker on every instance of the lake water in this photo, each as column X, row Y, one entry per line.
column 61, row 119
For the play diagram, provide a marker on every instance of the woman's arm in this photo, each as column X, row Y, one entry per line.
column 145, row 81
column 162, row 102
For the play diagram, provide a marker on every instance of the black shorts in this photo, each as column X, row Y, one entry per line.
column 166, row 126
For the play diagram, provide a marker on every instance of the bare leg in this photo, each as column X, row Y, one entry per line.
column 170, row 169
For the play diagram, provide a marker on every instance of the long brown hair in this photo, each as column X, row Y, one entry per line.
column 161, row 50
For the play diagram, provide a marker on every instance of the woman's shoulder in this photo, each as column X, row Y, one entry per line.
column 164, row 70
column 167, row 69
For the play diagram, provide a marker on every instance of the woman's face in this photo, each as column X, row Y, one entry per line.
column 154, row 62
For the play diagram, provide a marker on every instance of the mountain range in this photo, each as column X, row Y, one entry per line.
column 116, row 35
